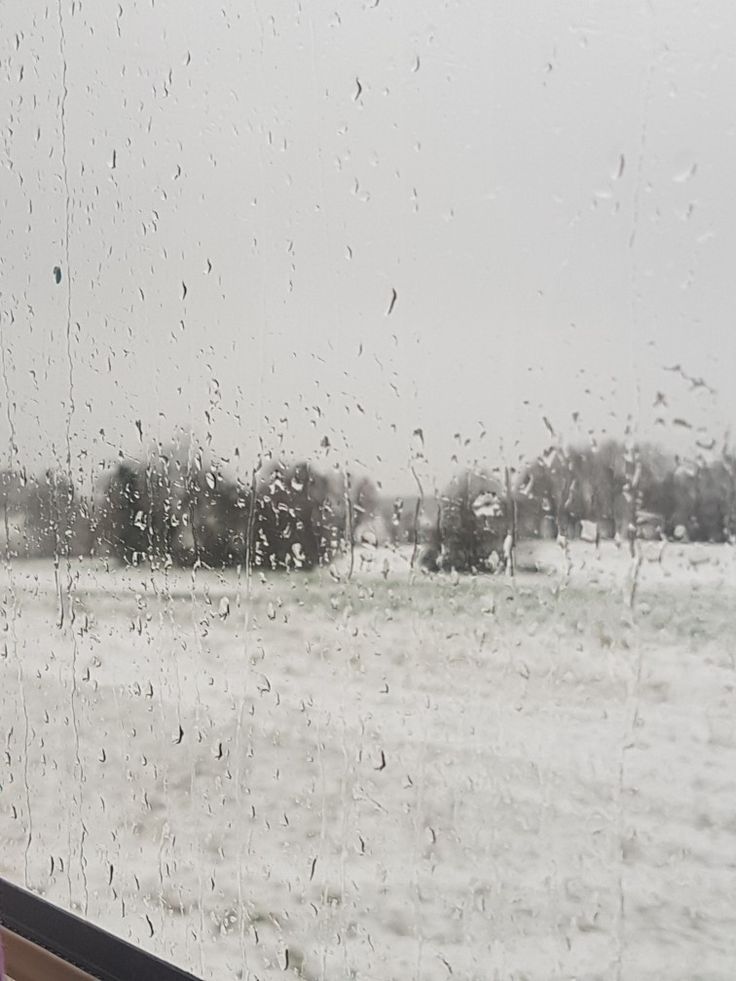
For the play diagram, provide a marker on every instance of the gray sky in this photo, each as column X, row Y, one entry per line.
column 548, row 187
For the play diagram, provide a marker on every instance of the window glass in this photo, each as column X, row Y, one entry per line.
column 367, row 485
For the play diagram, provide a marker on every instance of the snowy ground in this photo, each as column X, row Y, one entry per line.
column 409, row 777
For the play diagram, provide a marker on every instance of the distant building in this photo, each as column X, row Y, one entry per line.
column 649, row 525
column 373, row 532
column 589, row 531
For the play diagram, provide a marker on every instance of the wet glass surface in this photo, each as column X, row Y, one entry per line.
column 368, row 485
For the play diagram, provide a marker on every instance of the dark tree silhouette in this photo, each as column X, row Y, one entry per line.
column 300, row 517
column 472, row 522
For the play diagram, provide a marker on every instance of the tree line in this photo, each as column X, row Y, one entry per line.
column 175, row 508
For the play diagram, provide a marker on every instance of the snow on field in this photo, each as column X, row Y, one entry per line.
column 388, row 778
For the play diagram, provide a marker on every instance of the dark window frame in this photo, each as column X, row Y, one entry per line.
column 76, row 941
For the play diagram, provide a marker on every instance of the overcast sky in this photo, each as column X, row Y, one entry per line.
column 547, row 187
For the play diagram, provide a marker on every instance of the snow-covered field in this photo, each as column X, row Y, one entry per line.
column 387, row 778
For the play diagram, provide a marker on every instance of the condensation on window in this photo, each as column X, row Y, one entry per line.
column 368, row 485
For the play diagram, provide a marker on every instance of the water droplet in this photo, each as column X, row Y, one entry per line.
column 682, row 176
